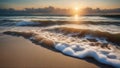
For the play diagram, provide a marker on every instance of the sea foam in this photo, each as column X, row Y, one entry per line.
column 72, row 46
column 82, row 52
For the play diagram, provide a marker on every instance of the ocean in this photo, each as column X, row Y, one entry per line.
column 78, row 36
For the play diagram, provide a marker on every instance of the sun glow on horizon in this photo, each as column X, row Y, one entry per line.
column 76, row 12
column 76, row 8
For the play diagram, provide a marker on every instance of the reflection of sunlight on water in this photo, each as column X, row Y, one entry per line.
column 76, row 17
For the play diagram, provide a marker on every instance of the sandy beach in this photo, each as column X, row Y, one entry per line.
column 59, row 34
column 17, row 52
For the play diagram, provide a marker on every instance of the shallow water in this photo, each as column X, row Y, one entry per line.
column 98, row 39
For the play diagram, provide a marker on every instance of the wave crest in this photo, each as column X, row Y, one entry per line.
column 80, row 50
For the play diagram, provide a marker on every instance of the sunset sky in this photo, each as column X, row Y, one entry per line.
column 20, row 4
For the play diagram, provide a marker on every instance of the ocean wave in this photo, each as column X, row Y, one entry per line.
column 72, row 46
column 92, row 35
column 64, row 18
column 27, row 23
column 7, row 22
column 81, row 51
column 49, row 22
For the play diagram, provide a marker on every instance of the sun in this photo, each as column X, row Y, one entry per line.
column 76, row 13
column 76, row 8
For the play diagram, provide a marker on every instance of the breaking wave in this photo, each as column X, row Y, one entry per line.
column 50, row 23
column 73, row 46
column 87, row 37
column 92, row 35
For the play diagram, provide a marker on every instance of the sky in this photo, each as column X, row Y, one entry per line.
column 21, row 4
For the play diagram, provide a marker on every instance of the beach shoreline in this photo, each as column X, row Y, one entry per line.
column 16, row 52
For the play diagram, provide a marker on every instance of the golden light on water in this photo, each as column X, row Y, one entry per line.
column 78, row 10
column 76, row 13
column 76, row 17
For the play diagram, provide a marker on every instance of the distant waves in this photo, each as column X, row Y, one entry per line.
column 62, row 18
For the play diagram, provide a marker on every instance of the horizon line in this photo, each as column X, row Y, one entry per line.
column 54, row 8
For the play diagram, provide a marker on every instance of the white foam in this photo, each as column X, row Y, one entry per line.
column 61, row 46
column 27, row 23
column 74, row 47
column 101, row 55
column 103, row 40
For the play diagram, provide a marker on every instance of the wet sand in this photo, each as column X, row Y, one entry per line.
column 17, row 52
